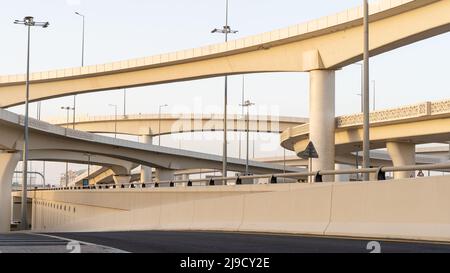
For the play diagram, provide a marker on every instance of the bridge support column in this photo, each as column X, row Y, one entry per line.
column 322, row 119
column 120, row 179
column 8, row 162
column 146, row 172
column 164, row 175
column 402, row 154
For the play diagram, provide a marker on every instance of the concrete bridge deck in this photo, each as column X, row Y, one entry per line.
column 327, row 43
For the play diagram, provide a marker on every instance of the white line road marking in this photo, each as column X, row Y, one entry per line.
column 112, row 249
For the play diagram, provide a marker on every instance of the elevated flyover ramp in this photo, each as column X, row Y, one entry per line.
column 155, row 124
column 427, row 122
column 327, row 43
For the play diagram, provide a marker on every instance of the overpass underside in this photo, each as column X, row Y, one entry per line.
column 408, row 209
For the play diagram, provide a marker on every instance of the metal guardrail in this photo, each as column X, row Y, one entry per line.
column 380, row 175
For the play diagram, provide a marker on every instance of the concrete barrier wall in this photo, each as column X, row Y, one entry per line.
column 411, row 208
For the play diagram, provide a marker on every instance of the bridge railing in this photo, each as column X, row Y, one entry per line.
column 302, row 177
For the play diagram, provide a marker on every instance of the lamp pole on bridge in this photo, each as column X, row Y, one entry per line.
column 247, row 104
column 29, row 22
column 159, row 123
column 115, row 118
column 225, row 30
column 67, row 108
column 82, row 64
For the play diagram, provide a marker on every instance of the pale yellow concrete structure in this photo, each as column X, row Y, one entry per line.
column 330, row 42
column 402, row 154
column 147, row 125
column 321, row 119
column 51, row 141
column 146, row 171
column 427, row 122
column 318, row 46
column 394, row 209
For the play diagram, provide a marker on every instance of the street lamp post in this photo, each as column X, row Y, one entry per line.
column 242, row 112
column 29, row 22
column 67, row 108
column 366, row 124
column 362, row 85
column 115, row 119
column 82, row 64
column 374, row 95
column 159, row 123
column 247, row 104
column 225, row 30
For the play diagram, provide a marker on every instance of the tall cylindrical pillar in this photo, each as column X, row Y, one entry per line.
column 146, row 172
column 322, row 119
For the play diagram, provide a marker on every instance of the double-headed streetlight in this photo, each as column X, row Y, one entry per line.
column 247, row 104
column 29, row 22
column 225, row 30
column 115, row 118
column 159, row 123
column 68, row 109
column 82, row 64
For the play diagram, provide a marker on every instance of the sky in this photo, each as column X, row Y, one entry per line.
column 117, row 30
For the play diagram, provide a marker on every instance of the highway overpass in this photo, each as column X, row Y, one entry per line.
column 319, row 47
column 154, row 124
column 397, row 129
column 51, row 142
column 327, row 43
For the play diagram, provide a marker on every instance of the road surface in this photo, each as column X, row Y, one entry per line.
column 229, row 242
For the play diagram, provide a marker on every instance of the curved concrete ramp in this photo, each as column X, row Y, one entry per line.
column 329, row 42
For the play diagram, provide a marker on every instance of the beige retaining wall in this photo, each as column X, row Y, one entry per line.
column 410, row 208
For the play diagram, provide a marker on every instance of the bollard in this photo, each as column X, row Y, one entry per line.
column 273, row 180
column 381, row 175
column 189, row 183
column 238, row 181
column 143, row 185
column 318, row 177
column 171, row 184
column 156, row 185
column 132, row 186
column 211, row 182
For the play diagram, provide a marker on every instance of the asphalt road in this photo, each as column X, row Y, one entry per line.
column 17, row 242
column 228, row 242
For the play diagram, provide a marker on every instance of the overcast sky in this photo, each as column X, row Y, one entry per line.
column 117, row 30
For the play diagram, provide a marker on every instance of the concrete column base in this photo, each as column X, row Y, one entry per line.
column 8, row 163
column 120, row 179
column 146, row 172
column 402, row 154
column 164, row 175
